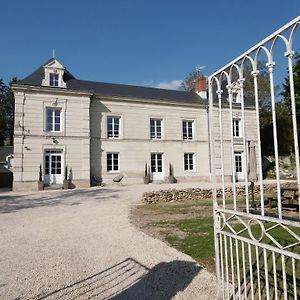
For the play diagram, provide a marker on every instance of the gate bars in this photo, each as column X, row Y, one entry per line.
column 257, row 249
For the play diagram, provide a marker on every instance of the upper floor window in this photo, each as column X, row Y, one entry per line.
column 187, row 130
column 53, row 119
column 112, row 161
column 53, row 79
column 113, row 126
column 155, row 128
column 236, row 127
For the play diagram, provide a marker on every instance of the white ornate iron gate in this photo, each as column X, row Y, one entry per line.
column 257, row 241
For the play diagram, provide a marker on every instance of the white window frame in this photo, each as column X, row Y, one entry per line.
column 236, row 128
column 185, row 132
column 190, row 166
column 113, row 134
column 53, row 119
column 54, row 82
column 238, row 162
column 155, row 135
column 113, row 154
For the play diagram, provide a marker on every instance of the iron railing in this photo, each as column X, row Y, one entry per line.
column 257, row 244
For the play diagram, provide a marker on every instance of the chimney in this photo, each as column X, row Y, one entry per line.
column 200, row 87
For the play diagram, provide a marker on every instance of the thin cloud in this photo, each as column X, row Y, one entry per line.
column 149, row 83
column 199, row 68
column 169, row 85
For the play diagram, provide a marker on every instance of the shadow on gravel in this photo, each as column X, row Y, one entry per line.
column 14, row 203
column 130, row 279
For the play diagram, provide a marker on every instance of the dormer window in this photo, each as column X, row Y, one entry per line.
column 236, row 93
column 54, row 74
column 54, row 79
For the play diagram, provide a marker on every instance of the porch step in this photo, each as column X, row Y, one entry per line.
column 53, row 187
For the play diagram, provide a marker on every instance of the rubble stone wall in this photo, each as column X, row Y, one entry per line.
column 193, row 194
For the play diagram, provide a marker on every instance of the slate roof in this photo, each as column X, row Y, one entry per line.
column 116, row 90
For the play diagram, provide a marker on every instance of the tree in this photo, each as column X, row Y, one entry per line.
column 263, row 83
column 286, row 93
column 283, row 120
column 7, row 108
column 3, row 91
column 283, row 124
column 188, row 84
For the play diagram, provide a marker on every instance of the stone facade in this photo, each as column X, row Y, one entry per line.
column 31, row 140
column 63, row 122
column 135, row 145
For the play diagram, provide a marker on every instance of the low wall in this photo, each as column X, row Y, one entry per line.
column 193, row 194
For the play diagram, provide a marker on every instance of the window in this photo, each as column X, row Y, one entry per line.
column 236, row 127
column 53, row 119
column 188, row 161
column 53, row 79
column 238, row 162
column 187, row 130
column 113, row 127
column 112, row 162
column 155, row 128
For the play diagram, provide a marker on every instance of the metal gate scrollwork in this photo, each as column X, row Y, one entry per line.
column 257, row 226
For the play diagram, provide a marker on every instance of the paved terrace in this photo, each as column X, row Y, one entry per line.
column 80, row 244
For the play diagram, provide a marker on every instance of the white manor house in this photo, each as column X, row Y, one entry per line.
column 102, row 130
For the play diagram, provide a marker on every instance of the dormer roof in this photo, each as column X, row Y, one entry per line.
column 53, row 63
column 36, row 77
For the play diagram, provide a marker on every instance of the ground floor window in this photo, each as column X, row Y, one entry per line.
column 188, row 161
column 112, row 162
column 238, row 162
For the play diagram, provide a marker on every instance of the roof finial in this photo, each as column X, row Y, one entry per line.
column 53, row 53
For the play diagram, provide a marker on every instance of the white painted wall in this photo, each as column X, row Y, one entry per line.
column 31, row 139
column 135, row 145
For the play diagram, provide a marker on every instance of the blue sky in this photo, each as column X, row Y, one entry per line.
column 154, row 43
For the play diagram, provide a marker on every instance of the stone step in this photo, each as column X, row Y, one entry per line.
column 53, row 187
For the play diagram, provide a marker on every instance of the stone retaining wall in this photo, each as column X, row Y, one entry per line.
column 198, row 193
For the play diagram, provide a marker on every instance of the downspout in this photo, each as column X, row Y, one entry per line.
column 23, row 137
column 209, row 147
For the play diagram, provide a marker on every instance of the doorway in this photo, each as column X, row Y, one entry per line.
column 157, row 166
column 53, row 167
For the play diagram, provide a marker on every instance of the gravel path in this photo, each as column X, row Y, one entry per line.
column 80, row 244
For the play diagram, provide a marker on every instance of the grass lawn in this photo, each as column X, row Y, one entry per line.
column 186, row 226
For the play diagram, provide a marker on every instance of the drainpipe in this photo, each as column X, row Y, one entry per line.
column 208, row 131
column 23, row 137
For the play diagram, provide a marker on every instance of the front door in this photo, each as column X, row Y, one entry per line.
column 53, row 167
column 157, row 166
column 239, row 166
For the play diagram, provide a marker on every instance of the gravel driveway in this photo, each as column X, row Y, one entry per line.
column 80, row 244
